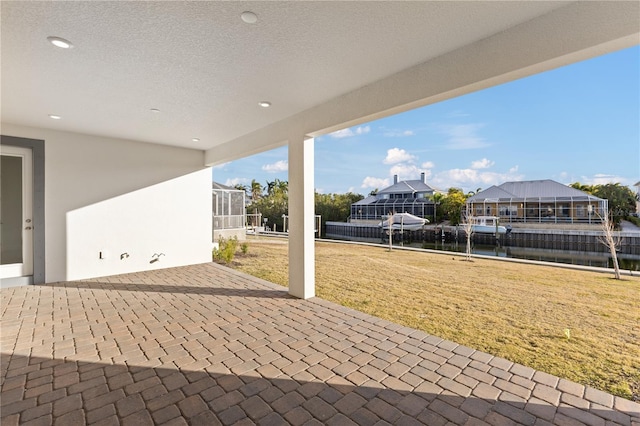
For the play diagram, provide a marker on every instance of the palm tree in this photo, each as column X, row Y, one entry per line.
column 283, row 186
column 437, row 198
column 240, row 187
column 277, row 186
column 472, row 193
column 589, row 189
column 270, row 187
column 256, row 190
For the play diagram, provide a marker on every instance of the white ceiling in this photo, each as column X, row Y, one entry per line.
column 206, row 70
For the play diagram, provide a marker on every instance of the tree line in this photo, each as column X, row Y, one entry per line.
column 622, row 201
column 272, row 199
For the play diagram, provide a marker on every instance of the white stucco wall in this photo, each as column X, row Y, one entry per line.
column 164, row 219
column 117, row 196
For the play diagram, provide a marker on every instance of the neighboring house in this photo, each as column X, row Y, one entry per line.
column 537, row 201
column 228, row 207
column 407, row 196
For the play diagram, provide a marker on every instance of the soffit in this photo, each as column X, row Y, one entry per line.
column 206, row 70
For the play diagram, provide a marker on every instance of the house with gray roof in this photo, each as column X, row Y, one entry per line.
column 537, row 201
column 407, row 196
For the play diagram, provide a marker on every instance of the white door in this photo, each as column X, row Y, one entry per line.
column 16, row 204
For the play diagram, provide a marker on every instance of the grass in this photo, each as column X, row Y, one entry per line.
column 516, row 311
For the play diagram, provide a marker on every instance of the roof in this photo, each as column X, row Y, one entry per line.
column 370, row 199
column 492, row 192
column 216, row 185
column 530, row 189
column 407, row 186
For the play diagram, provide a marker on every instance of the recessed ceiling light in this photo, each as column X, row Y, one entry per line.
column 249, row 17
column 195, row 140
column 264, row 104
column 156, row 110
column 60, row 42
column 54, row 117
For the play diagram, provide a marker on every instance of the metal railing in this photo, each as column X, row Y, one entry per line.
column 228, row 222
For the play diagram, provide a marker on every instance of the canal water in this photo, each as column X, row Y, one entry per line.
column 601, row 260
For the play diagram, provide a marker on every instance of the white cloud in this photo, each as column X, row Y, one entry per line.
column 320, row 190
column 408, row 171
column 220, row 166
column 351, row 189
column 339, row 134
column 236, row 181
column 563, row 177
column 347, row 133
column 473, row 178
column 397, row 155
column 603, row 178
column 463, row 136
column 398, row 133
column 278, row 166
column 514, row 169
column 482, row 164
column 373, row 182
column 404, row 165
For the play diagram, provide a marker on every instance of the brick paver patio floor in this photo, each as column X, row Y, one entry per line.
column 206, row 345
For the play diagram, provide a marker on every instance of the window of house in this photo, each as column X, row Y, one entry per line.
column 508, row 210
column 547, row 210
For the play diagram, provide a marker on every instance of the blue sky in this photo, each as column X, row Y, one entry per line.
column 576, row 123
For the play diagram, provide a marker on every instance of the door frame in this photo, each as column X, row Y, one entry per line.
column 38, row 222
column 24, row 267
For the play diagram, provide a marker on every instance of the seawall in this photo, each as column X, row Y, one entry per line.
column 551, row 239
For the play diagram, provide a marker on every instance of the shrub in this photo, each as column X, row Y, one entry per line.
column 634, row 220
column 226, row 249
column 244, row 248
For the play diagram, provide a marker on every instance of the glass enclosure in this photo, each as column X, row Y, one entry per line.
column 544, row 210
column 228, row 209
column 420, row 207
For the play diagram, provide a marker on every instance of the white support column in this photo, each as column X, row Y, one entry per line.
column 301, row 219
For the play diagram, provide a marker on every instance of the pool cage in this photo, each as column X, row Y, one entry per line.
column 375, row 209
column 585, row 209
column 228, row 208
